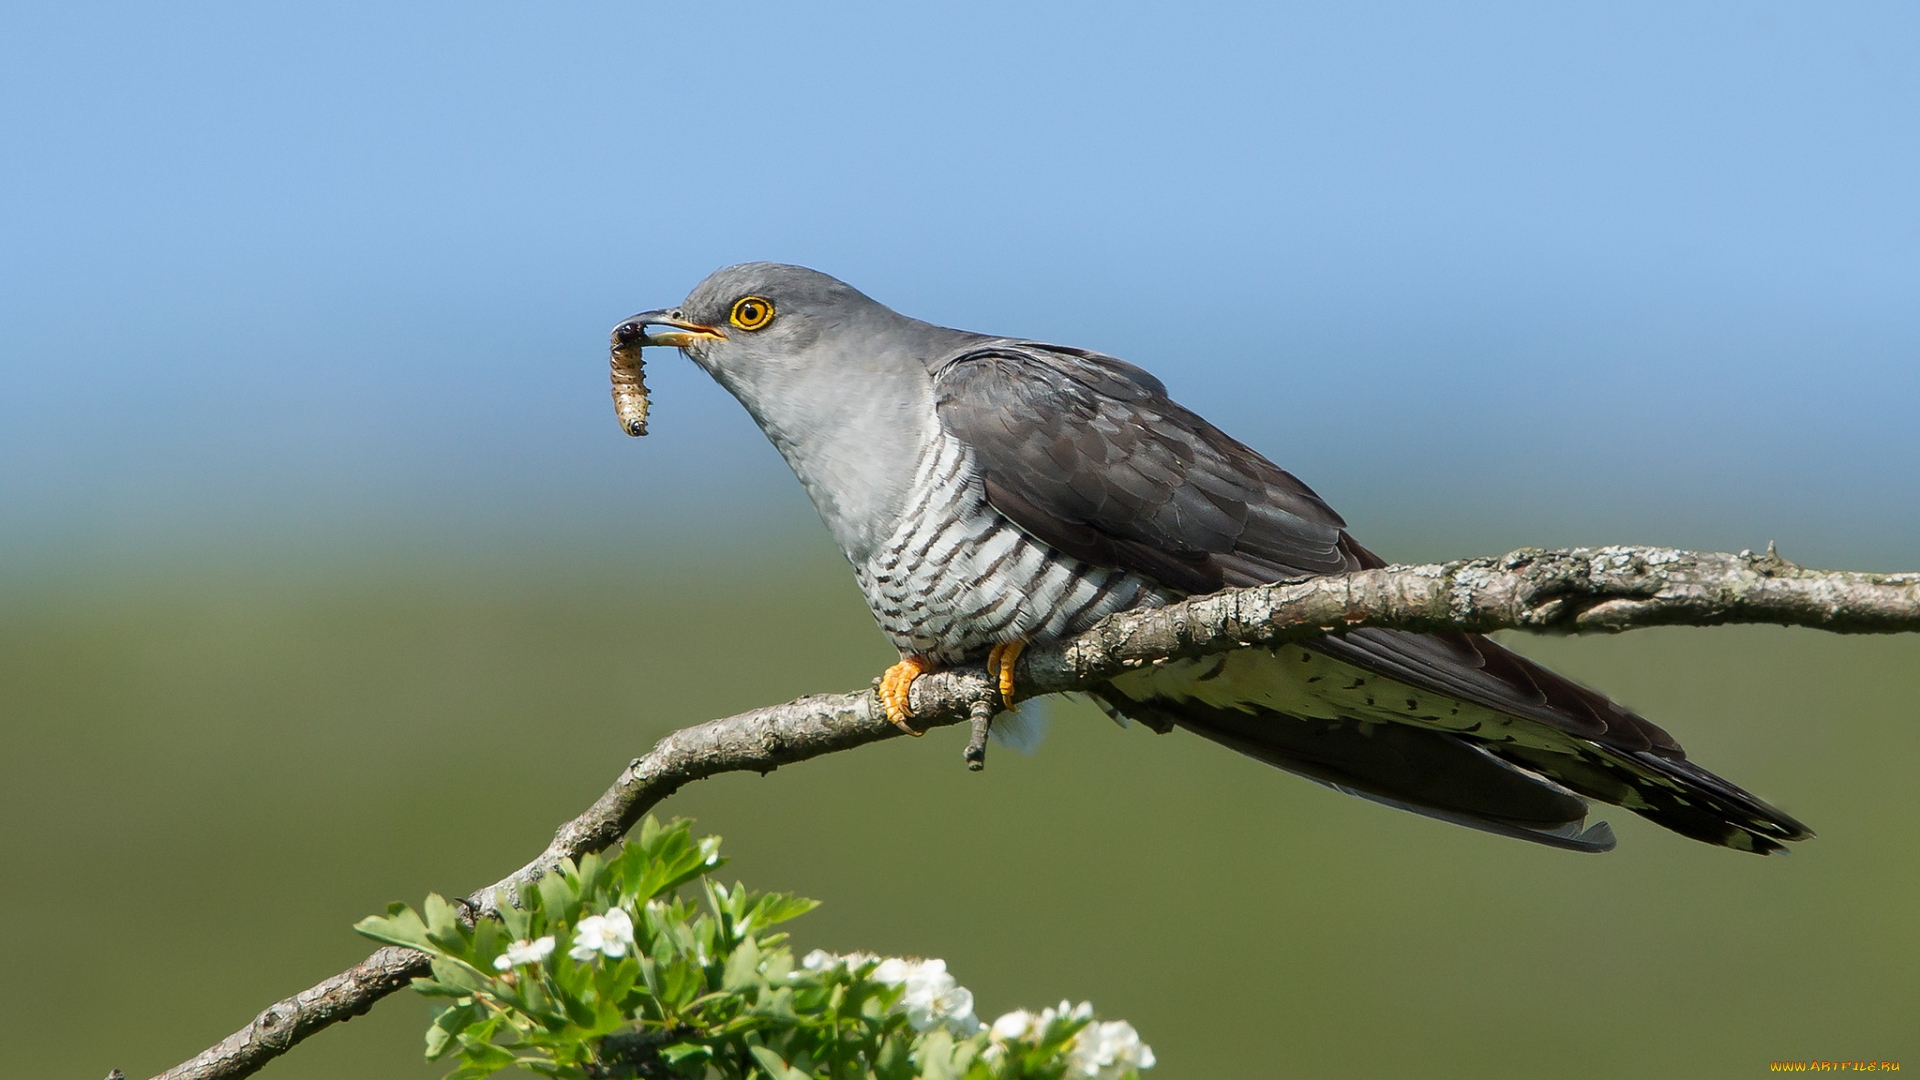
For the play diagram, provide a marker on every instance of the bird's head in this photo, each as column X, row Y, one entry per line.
column 840, row 383
column 800, row 349
column 754, row 323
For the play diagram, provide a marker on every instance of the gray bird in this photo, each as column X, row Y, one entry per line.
column 990, row 491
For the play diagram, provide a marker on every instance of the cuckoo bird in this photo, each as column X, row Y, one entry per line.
column 990, row 491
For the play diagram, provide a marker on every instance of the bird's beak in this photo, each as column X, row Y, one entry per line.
column 663, row 327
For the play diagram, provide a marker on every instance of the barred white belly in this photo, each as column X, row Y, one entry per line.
column 956, row 578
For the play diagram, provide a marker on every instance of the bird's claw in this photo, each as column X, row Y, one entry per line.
column 896, row 683
column 1000, row 661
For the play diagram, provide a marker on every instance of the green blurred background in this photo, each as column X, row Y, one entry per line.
column 211, row 771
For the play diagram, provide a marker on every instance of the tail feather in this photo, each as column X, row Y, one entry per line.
column 1671, row 792
column 1430, row 773
column 1447, row 759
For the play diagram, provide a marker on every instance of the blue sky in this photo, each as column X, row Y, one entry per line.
column 1483, row 274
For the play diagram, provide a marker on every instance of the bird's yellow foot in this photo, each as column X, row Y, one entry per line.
column 895, row 683
column 1000, row 660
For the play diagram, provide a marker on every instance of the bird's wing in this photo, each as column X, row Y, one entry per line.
column 1087, row 453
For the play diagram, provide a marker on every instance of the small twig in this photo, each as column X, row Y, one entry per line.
column 981, row 714
column 1583, row 589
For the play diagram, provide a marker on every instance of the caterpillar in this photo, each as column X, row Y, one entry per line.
column 629, row 385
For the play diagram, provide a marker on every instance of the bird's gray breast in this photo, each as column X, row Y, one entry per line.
column 955, row 577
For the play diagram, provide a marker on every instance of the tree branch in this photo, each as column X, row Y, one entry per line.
column 1579, row 590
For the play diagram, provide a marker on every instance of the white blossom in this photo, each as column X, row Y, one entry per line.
column 822, row 960
column 1099, row 1051
column 1017, row 1026
column 1108, row 1051
column 524, row 952
column 1023, row 1026
column 608, row 934
column 932, row 996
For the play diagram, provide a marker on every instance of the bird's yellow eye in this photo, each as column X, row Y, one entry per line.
column 751, row 312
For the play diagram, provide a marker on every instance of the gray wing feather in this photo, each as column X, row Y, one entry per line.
column 1088, row 454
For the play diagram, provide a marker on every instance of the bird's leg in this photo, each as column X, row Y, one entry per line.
column 895, row 683
column 1000, row 661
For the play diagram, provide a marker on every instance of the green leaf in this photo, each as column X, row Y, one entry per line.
column 616, row 980
column 572, row 978
column 443, row 924
column 488, row 940
column 558, row 896
column 400, row 927
column 449, row 1023
column 676, row 1053
column 579, row 1011
column 671, row 859
column 438, row 1042
column 650, row 831
column 436, row 988
column 942, row 1057
column 481, row 1059
column 776, row 1003
column 650, row 975
column 592, row 871
column 680, row 981
column 518, row 922
column 774, row 1065
column 894, row 1061
column 778, row 968
column 743, row 968
column 456, row 974
column 774, row 908
column 476, row 1072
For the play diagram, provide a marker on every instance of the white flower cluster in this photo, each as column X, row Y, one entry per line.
column 524, row 952
column 1109, row 1050
column 1100, row 1051
column 932, row 998
column 822, row 960
column 607, row 935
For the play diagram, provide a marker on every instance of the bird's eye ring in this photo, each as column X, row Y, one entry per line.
column 751, row 312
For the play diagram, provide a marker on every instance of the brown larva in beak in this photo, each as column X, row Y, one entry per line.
column 629, row 384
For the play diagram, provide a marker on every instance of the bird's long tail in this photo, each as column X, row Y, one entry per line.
column 1443, row 759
